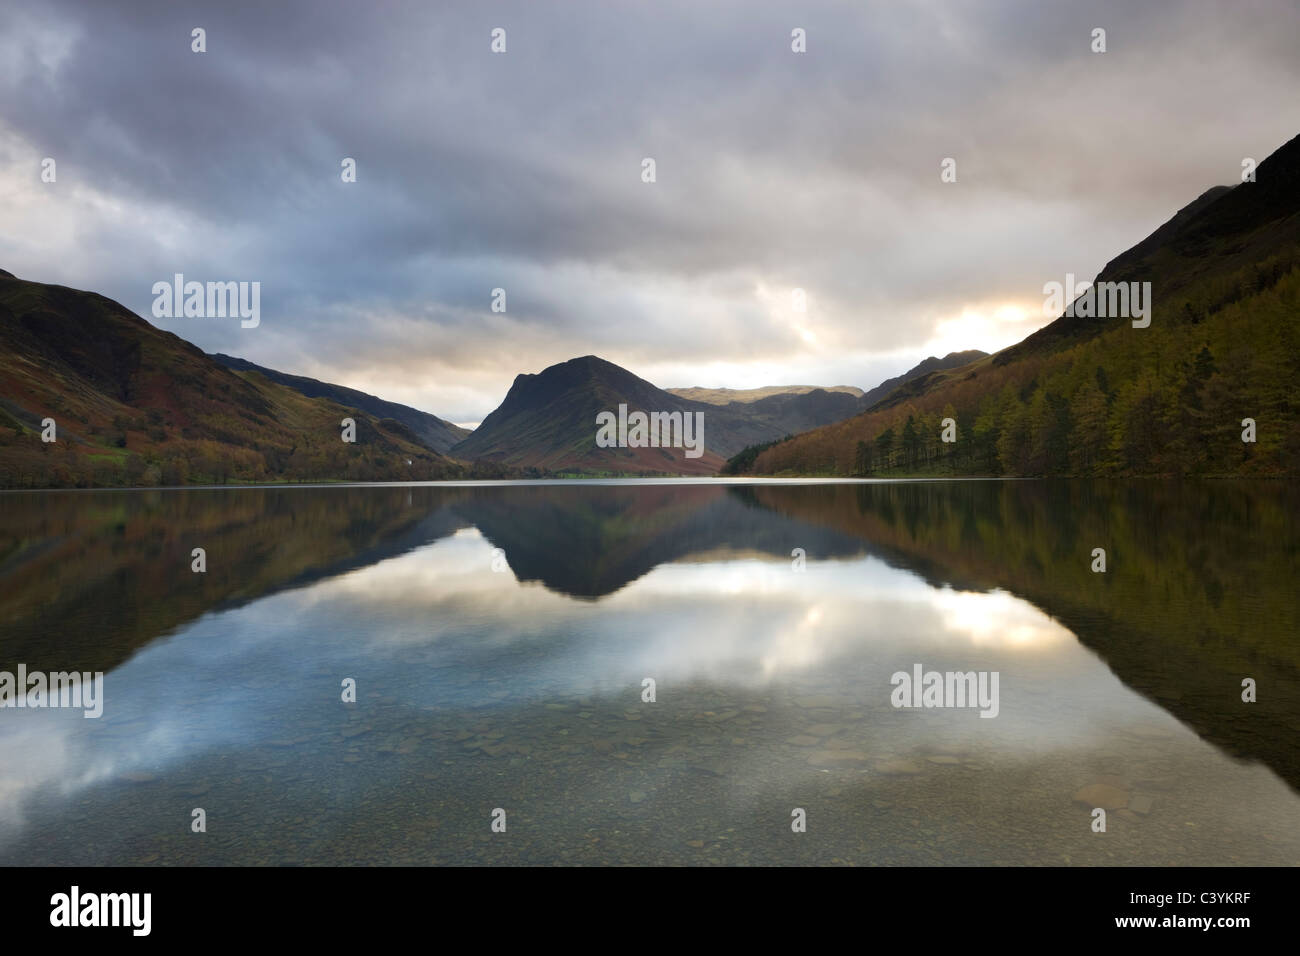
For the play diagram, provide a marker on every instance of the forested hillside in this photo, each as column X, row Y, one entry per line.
column 1092, row 396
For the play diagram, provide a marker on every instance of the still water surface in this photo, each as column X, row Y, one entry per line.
column 521, row 688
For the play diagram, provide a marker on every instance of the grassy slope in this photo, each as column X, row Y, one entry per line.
column 428, row 430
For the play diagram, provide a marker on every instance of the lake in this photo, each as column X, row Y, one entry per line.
column 504, row 641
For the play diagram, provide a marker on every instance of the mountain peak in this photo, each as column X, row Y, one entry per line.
column 548, row 420
column 932, row 364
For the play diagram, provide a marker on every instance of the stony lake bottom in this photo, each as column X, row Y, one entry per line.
column 501, row 636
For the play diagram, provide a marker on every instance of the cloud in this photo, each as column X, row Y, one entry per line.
column 521, row 171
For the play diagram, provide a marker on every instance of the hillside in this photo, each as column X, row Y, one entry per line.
column 927, row 367
column 548, row 421
column 429, row 430
column 1096, row 396
column 135, row 405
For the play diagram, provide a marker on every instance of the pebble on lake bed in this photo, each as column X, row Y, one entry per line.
column 1102, row 795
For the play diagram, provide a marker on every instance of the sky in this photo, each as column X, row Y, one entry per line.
column 523, row 170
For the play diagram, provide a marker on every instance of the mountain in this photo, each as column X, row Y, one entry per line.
column 932, row 364
column 135, row 405
column 429, row 430
column 1088, row 396
column 725, row 396
column 549, row 421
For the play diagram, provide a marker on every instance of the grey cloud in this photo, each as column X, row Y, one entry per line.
column 522, row 170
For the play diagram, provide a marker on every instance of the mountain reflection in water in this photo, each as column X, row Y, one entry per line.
column 521, row 688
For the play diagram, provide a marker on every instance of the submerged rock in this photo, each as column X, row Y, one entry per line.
column 1140, row 803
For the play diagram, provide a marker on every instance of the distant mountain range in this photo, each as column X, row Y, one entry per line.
column 548, row 421
column 132, row 404
column 725, row 396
